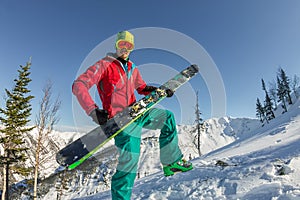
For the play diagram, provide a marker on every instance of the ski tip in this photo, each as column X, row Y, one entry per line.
column 195, row 67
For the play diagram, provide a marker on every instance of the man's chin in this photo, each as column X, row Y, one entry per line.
column 123, row 56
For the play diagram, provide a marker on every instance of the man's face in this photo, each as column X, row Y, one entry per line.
column 124, row 48
column 123, row 53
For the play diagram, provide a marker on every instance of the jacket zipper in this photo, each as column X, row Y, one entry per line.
column 126, row 72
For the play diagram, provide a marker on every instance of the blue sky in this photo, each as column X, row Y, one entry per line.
column 247, row 40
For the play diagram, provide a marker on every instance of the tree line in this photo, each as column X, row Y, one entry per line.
column 278, row 93
column 15, row 127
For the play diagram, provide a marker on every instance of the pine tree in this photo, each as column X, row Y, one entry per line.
column 273, row 93
column 15, row 119
column 260, row 111
column 281, row 94
column 199, row 124
column 263, row 85
column 295, row 85
column 268, row 106
column 285, row 84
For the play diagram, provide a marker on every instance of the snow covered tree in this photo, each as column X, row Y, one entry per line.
column 45, row 120
column 284, row 85
column 295, row 85
column 15, row 119
column 199, row 124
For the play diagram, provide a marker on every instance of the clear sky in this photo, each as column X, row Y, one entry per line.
column 247, row 41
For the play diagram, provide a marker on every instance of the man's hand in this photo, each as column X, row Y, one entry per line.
column 99, row 116
column 149, row 88
column 168, row 91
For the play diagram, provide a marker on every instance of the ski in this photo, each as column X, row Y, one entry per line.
column 83, row 148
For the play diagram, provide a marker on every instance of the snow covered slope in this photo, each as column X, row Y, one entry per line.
column 263, row 164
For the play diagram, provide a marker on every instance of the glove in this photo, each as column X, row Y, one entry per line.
column 149, row 88
column 99, row 116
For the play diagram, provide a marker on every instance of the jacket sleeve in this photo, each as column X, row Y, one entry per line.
column 140, row 84
column 84, row 82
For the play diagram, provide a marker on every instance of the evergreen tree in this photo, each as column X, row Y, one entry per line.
column 268, row 108
column 285, row 84
column 14, row 118
column 260, row 111
column 199, row 124
column 273, row 93
column 281, row 94
column 295, row 85
column 263, row 85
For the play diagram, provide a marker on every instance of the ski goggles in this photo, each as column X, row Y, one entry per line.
column 121, row 44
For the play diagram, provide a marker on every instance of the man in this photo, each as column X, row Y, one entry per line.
column 116, row 78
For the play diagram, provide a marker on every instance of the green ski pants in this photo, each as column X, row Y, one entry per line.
column 128, row 143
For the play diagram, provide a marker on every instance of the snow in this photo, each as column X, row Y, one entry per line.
column 263, row 163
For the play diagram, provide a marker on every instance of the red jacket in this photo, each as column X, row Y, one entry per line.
column 115, row 83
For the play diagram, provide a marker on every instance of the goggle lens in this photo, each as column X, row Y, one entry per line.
column 125, row 45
